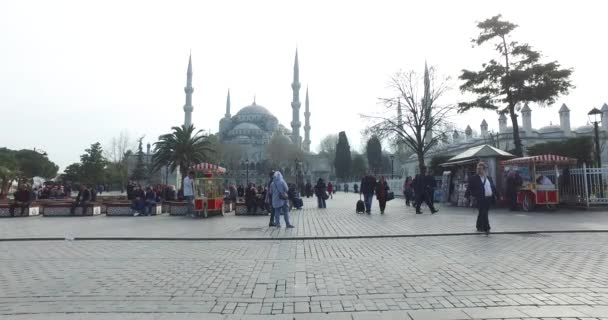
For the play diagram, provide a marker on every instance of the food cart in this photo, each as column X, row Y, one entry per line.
column 535, row 192
column 208, row 189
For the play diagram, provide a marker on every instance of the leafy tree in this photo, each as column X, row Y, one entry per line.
column 140, row 171
column 34, row 164
column 358, row 167
column 416, row 123
column 181, row 149
column 72, row 173
column 92, row 165
column 515, row 79
column 281, row 152
column 373, row 150
column 580, row 148
column 23, row 164
column 343, row 160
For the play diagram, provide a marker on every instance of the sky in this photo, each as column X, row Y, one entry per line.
column 73, row 73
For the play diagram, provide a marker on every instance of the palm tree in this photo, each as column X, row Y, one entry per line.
column 181, row 149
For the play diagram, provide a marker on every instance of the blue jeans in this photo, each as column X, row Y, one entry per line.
column 139, row 205
column 368, row 198
column 190, row 200
column 321, row 202
column 149, row 205
column 277, row 215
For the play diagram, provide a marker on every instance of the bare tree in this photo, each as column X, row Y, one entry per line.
column 422, row 121
column 117, row 152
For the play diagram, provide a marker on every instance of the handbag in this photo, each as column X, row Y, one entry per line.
column 325, row 196
column 282, row 195
column 390, row 196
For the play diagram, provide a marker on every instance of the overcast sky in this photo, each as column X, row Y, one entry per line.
column 76, row 72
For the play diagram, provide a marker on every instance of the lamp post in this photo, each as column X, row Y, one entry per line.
column 247, row 166
column 595, row 116
column 392, row 167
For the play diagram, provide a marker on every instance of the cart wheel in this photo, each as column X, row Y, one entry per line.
column 527, row 204
column 552, row 207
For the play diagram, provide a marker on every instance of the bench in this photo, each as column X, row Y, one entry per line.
column 124, row 209
column 241, row 210
column 63, row 209
column 175, row 208
column 33, row 210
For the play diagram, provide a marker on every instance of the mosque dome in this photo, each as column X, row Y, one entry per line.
column 583, row 129
column 550, row 129
column 246, row 126
column 254, row 109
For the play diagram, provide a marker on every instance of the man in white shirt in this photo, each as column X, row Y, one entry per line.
column 482, row 188
column 189, row 192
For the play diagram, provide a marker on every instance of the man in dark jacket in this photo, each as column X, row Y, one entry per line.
column 482, row 188
column 82, row 200
column 23, row 199
column 514, row 182
column 368, row 185
column 423, row 186
column 268, row 200
column 150, row 201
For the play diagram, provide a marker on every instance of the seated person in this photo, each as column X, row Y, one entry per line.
column 138, row 204
column 150, row 200
column 82, row 200
column 544, row 181
column 22, row 200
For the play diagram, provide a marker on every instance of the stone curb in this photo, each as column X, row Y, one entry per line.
column 414, row 235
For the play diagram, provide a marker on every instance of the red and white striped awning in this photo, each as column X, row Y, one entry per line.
column 546, row 159
column 204, row 166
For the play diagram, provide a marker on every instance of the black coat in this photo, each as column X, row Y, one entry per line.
column 368, row 185
column 475, row 188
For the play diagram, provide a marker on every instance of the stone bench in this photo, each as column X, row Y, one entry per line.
column 175, row 208
column 241, row 210
column 33, row 210
column 63, row 209
column 124, row 209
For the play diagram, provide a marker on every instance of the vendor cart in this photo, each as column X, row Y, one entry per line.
column 208, row 190
column 535, row 192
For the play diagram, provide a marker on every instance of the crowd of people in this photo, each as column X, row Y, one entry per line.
column 143, row 200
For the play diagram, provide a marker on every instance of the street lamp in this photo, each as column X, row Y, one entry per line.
column 595, row 116
column 392, row 167
column 247, row 166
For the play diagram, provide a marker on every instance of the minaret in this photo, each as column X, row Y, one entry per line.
column 564, row 119
column 526, row 113
column 227, row 115
column 295, row 104
column 605, row 116
column 484, row 128
column 306, row 145
column 188, row 90
column 426, row 104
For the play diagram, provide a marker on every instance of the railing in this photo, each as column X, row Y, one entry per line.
column 584, row 186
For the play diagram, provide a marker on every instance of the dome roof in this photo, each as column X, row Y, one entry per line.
column 587, row 128
column 283, row 139
column 254, row 109
column 548, row 129
column 246, row 126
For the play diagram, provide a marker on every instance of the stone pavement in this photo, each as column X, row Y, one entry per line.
column 503, row 276
column 339, row 220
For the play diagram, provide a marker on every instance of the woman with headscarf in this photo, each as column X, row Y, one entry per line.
column 278, row 193
column 381, row 192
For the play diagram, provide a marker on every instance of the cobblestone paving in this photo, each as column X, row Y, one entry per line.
column 339, row 220
column 466, row 277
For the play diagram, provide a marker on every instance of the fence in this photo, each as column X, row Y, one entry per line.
column 582, row 186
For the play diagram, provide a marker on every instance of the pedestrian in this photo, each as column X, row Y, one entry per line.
column 250, row 198
column 308, row 189
column 482, row 188
column 321, row 193
column 356, row 188
column 278, row 192
column 330, row 189
column 514, row 182
column 268, row 199
column 368, row 186
column 408, row 191
column 346, row 188
column 188, row 190
column 431, row 185
column 422, row 188
column 381, row 193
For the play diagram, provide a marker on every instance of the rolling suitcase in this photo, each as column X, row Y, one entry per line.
column 360, row 206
